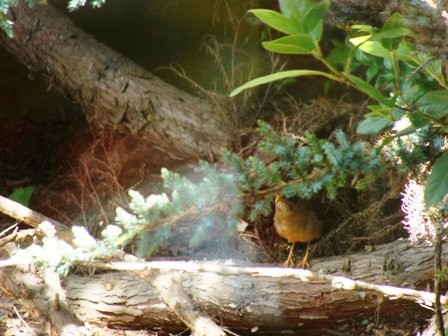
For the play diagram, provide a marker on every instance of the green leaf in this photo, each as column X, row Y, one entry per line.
column 392, row 31
column 418, row 119
column 379, row 111
column 407, row 131
column 364, row 29
column 392, row 34
column 373, row 125
column 397, row 113
column 372, row 72
column 22, row 195
column 339, row 55
column 437, row 184
column 295, row 9
column 369, row 90
column 412, row 90
column 394, row 27
column 434, row 104
column 278, row 76
column 375, row 48
column 406, row 52
column 292, row 44
column 277, row 21
column 358, row 40
column 313, row 23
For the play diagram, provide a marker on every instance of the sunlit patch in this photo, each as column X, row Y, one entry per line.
column 417, row 220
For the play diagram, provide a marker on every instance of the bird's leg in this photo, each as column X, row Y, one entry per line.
column 289, row 261
column 304, row 263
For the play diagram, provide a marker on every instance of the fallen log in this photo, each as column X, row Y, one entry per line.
column 265, row 298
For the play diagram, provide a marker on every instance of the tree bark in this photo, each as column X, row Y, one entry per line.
column 428, row 19
column 43, row 298
column 272, row 299
column 113, row 91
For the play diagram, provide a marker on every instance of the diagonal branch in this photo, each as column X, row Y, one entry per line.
column 113, row 91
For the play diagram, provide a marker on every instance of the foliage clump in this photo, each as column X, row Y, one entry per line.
column 302, row 167
column 404, row 84
column 212, row 202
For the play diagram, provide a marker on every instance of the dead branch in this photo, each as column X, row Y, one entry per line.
column 32, row 218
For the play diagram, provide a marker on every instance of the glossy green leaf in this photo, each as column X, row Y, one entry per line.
column 373, row 125
column 292, row 44
column 277, row 21
column 369, row 90
column 313, row 23
column 437, row 183
column 395, row 20
column 434, row 103
column 358, row 40
column 375, row 48
column 279, row 76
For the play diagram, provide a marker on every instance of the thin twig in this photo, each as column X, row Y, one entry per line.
column 9, row 228
column 23, row 321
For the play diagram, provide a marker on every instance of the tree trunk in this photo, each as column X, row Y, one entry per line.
column 113, row 91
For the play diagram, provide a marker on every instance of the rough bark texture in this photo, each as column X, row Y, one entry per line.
column 113, row 91
column 43, row 299
column 427, row 18
column 247, row 297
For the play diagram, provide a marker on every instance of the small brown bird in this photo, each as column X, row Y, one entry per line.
column 294, row 221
